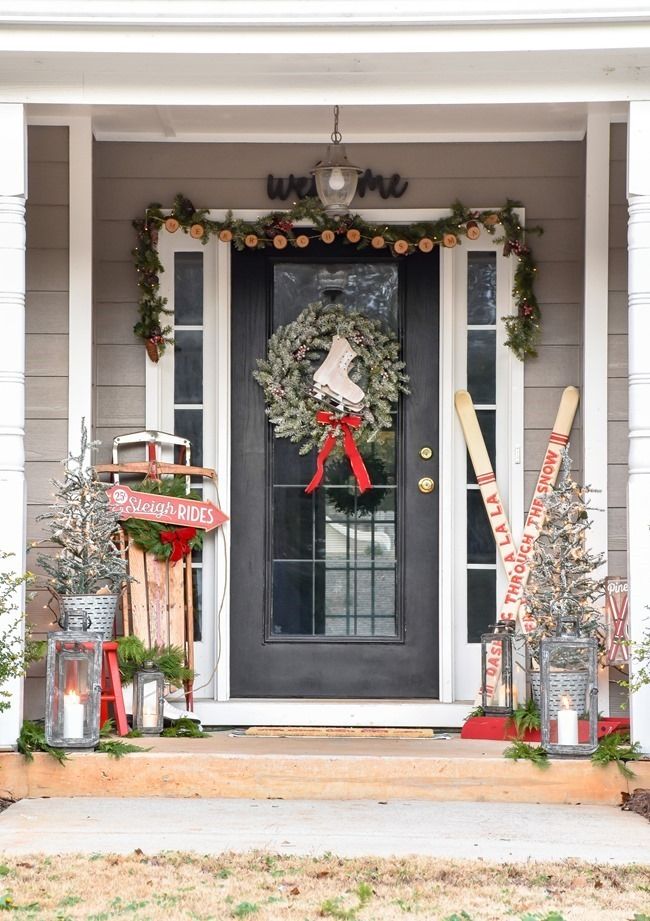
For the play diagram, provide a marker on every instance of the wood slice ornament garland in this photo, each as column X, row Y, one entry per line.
column 335, row 358
column 280, row 229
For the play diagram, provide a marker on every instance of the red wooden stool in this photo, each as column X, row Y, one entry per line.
column 112, row 689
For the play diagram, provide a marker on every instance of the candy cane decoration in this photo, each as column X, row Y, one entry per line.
column 515, row 562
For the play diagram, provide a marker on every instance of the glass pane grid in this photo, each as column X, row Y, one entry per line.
column 333, row 552
column 188, row 384
column 481, row 383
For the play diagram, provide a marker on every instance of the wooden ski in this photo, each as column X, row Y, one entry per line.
column 520, row 569
column 515, row 561
column 485, row 478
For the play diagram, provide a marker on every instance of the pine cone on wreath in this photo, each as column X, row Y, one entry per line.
column 152, row 349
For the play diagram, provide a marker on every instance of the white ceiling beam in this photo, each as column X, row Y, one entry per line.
column 322, row 12
column 326, row 42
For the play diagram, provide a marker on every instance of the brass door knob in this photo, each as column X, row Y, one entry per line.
column 426, row 485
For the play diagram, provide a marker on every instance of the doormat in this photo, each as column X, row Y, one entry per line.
column 339, row 732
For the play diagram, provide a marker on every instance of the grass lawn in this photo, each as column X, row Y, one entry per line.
column 175, row 887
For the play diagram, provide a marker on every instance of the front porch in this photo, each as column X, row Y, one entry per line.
column 579, row 168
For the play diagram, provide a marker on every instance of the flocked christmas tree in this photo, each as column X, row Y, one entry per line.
column 561, row 587
column 83, row 526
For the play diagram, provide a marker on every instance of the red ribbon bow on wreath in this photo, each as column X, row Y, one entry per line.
column 346, row 424
column 180, row 539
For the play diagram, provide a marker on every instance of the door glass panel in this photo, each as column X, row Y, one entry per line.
column 482, row 288
column 188, row 289
column 480, row 540
column 188, row 366
column 369, row 287
column 481, row 602
column 334, row 551
column 481, row 369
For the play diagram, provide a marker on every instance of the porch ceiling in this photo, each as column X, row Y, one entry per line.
column 253, row 52
column 360, row 124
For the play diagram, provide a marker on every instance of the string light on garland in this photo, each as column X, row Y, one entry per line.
column 278, row 229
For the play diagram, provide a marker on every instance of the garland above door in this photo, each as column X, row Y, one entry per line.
column 280, row 229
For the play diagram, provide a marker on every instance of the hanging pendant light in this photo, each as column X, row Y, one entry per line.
column 336, row 178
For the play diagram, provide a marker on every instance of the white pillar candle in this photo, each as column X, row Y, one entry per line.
column 73, row 716
column 149, row 709
column 567, row 723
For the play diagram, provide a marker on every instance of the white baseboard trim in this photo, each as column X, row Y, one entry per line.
column 293, row 712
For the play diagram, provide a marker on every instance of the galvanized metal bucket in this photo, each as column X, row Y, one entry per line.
column 89, row 612
column 575, row 684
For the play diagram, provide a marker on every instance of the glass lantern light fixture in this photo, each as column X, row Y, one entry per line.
column 148, row 700
column 569, row 691
column 73, row 688
column 336, row 178
column 497, row 657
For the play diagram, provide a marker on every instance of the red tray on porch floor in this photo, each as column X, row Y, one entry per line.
column 500, row 728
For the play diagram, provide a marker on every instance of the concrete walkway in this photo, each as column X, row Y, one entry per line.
column 491, row 831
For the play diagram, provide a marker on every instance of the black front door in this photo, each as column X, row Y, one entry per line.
column 334, row 594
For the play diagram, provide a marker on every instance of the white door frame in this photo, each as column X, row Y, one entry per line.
column 219, row 707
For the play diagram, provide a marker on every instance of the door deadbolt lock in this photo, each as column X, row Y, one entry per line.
column 426, row 453
column 426, row 485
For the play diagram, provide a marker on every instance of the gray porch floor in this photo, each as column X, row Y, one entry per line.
column 500, row 832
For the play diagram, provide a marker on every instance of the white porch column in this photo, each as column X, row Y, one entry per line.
column 638, row 178
column 13, row 192
column 80, row 339
column 594, row 390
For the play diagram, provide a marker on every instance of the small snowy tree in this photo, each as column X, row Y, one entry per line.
column 83, row 526
column 561, row 587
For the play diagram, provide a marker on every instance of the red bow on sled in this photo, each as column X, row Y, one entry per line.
column 180, row 540
column 346, row 424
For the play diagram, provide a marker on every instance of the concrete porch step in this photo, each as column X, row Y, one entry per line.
column 230, row 765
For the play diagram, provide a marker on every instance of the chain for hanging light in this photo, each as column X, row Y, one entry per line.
column 336, row 135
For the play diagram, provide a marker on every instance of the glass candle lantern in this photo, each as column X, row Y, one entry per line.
column 74, row 668
column 497, row 696
column 148, row 700
column 569, row 694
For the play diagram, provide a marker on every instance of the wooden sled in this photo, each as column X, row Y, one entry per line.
column 158, row 607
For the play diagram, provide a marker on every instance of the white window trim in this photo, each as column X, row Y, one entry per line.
column 446, row 711
column 509, row 439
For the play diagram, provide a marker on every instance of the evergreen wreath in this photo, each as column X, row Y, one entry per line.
column 148, row 534
column 296, row 350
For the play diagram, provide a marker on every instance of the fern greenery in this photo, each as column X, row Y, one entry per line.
column 526, row 718
column 184, row 728
column 616, row 747
column 32, row 739
column 521, row 751
column 132, row 655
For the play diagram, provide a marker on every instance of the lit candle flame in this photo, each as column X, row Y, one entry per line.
column 72, row 696
column 566, row 702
